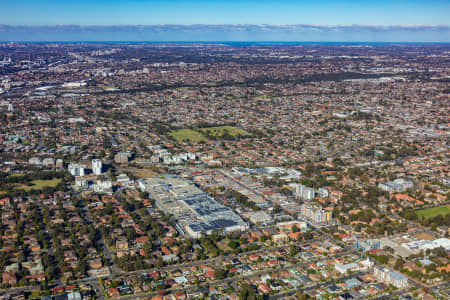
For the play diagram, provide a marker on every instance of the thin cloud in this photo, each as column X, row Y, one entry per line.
column 261, row 32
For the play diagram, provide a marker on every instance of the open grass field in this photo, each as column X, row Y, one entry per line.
column 16, row 175
column 187, row 135
column 258, row 98
column 219, row 131
column 202, row 134
column 434, row 211
column 39, row 184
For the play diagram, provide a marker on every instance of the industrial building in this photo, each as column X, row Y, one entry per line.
column 423, row 245
column 368, row 245
column 196, row 212
column 259, row 217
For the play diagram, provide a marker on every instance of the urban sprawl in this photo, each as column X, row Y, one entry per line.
column 224, row 171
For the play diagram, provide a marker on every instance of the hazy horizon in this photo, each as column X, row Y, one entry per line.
column 226, row 20
column 226, row 33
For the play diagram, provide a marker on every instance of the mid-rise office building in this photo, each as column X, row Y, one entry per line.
column 316, row 214
column 35, row 161
column 97, row 166
column 76, row 170
column 49, row 162
column 122, row 157
column 391, row 277
column 396, row 186
column 304, row 192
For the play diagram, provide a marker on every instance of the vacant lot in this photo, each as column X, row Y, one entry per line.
column 424, row 236
column 145, row 173
column 187, row 135
column 39, row 184
column 434, row 211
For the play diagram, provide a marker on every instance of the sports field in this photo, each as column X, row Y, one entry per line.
column 39, row 184
column 220, row 131
column 434, row 211
column 187, row 135
column 202, row 134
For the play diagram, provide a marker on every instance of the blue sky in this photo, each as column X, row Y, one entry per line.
column 313, row 20
column 149, row 12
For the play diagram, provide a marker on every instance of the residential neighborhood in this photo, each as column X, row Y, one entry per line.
column 224, row 171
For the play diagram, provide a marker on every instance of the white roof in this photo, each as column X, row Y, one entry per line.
column 443, row 242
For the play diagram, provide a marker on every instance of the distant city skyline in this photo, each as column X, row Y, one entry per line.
column 245, row 20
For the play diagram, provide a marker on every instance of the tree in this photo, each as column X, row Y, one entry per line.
column 44, row 286
column 300, row 296
column 233, row 244
column 399, row 263
column 246, row 292
column 293, row 251
column 382, row 259
column 219, row 274
column 148, row 248
column 308, row 236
